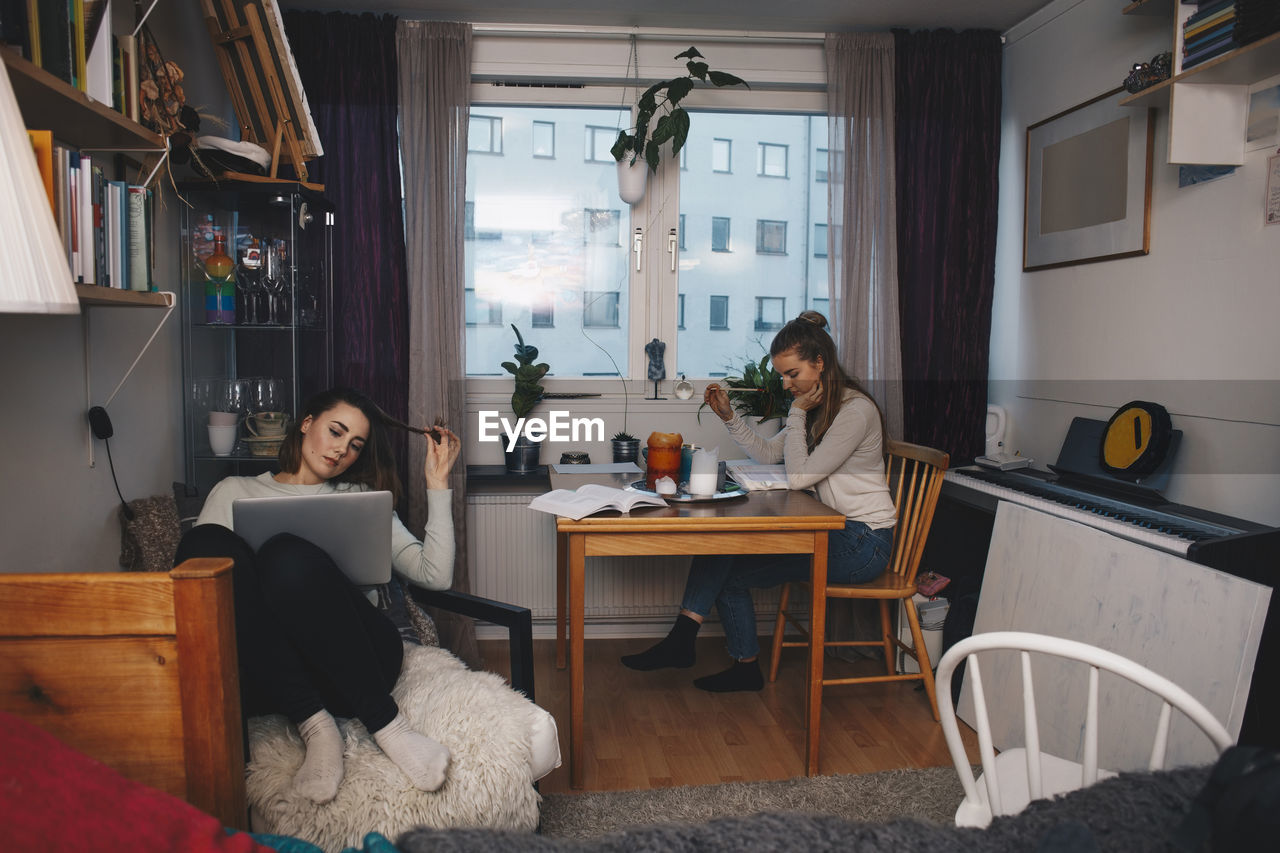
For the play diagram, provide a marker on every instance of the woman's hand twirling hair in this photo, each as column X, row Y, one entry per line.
column 807, row 337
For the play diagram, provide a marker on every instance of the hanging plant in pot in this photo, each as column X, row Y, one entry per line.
column 523, row 457
column 639, row 146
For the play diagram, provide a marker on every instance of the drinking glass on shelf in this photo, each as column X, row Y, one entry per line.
column 232, row 396
column 274, row 278
column 264, row 394
column 249, row 284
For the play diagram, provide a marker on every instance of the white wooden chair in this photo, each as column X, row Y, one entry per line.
column 1019, row 775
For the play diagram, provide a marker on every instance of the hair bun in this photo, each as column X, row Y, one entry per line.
column 813, row 317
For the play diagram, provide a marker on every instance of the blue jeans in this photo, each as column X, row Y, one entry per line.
column 856, row 554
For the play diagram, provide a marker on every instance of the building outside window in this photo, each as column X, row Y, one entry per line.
column 771, row 313
column 481, row 312
column 544, row 140
column 542, row 313
column 720, row 234
column 600, row 227
column 771, row 237
column 484, row 135
column 722, row 155
column 681, row 232
column 719, row 310
column 680, row 311
column 599, row 143
column 771, row 160
column 820, row 165
column 600, row 309
column 820, row 240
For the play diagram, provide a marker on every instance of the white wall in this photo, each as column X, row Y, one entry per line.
column 1191, row 325
column 56, row 512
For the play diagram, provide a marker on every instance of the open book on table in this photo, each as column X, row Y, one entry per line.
column 590, row 498
column 754, row 476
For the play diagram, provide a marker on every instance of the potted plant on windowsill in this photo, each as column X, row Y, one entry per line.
column 639, row 146
column 757, row 393
column 626, row 447
column 523, row 457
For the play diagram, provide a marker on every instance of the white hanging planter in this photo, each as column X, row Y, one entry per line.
column 632, row 179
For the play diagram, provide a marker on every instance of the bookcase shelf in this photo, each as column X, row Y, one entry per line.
column 1149, row 7
column 91, row 294
column 49, row 103
column 1240, row 67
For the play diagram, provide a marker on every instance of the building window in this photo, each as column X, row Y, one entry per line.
column 600, row 309
column 599, row 143
column 682, row 232
column 771, row 312
column 822, row 305
column 771, row 237
column 771, row 160
column 820, row 165
column 719, row 313
column 720, row 234
column 469, row 220
column 721, row 155
column 680, row 311
column 484, row 135
column 544, row 140
column 600, row 227
column 820, row 240
column 542, row 314
column 481, row 312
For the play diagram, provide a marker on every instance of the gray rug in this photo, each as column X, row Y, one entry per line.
column 931, row 794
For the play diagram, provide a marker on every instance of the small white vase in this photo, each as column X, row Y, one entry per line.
column 632, row 179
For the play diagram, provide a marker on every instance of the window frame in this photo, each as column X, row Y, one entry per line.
column 711, row 312
column 533, row 134
column 589, row 152
column 761, row 225
column 491, row 150
column 728, row 234
column 762, row 325
column 728, row 169
column 763, row 161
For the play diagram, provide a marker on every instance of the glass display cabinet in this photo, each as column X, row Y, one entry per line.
column 257, row 328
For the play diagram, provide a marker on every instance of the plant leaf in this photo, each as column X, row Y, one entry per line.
column 691, row 53
column 679, row 87
column 663, row 130
column 651, row 155
column 697, row 69
column 622, row 145
column 720, row 78
column 679, row 129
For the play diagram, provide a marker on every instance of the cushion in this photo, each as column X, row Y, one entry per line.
column 149, row 540
column 487, row 726
column 58, row 799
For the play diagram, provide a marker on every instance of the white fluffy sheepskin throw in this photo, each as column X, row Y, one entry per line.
column 484, row 723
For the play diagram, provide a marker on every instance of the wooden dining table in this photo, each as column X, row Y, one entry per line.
column 762, row 522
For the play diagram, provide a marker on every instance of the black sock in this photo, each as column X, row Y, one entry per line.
column 743, row 675
column 674, row 650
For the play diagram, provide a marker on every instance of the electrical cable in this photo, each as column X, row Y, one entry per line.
column 128, row 513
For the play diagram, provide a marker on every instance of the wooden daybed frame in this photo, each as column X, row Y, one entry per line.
column 137, row 670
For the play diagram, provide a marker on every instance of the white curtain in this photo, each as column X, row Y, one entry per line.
column 434, row 85
column 862, row 232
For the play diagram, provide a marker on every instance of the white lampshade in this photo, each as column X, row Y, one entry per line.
column 34, row 276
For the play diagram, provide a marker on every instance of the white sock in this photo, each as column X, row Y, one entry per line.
column 321, row 772
column 422, row 759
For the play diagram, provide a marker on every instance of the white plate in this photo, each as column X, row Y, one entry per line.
column 731, row 490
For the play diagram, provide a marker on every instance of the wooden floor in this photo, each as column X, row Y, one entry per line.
column 655, row 729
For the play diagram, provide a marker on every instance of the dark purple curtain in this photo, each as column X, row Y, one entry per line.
column 947, row 104
column 348, row 68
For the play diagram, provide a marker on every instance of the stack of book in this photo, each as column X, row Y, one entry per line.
column 1208, row 32
column 1256, row 19
column 72, row 39
column 105, row 225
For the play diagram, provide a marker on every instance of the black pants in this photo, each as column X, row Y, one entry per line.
column 307, row 638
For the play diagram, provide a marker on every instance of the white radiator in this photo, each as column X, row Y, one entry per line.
column 511, row 555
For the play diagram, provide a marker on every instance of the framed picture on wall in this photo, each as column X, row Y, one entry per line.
column 1089, row 184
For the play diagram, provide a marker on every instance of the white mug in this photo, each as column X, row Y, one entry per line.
column 224, row 418
column 222, row 439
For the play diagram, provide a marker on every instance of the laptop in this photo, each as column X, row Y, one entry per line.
column 353, row 528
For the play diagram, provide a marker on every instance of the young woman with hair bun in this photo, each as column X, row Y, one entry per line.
column 833, row 443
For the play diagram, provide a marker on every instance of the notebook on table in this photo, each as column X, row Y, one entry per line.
column 353, row 528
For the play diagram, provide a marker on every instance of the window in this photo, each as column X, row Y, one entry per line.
column 599, row 143
column 820, row 165
column 719, row 313
column 601, row 227
column 484, row 135
column 823, row 306
column 481, row 312
column 682, row 246
column 721, row 155
column 469, row 220
column 720, row 234
column 542, row 313
column 771, row 237
column 820, row 240
column 771, row 160
column 680, row 311
column 544, row 140
column 600, row 309
column 771, row 312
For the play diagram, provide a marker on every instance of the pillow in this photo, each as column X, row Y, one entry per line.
column 57, row 799
column 149, row 540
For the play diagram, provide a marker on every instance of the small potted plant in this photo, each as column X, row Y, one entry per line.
column 640, row 145
column 757, row 393
column 523, row 457
column 626, row 447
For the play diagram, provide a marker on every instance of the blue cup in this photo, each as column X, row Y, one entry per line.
column 686, row 460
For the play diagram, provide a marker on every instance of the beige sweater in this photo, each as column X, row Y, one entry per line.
column 427, row 563
column 845, row 469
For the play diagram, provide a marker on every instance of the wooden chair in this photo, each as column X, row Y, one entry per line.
column 914, row 474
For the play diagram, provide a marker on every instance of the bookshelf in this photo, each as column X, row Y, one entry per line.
column 1240, row 67
column 92, row 294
